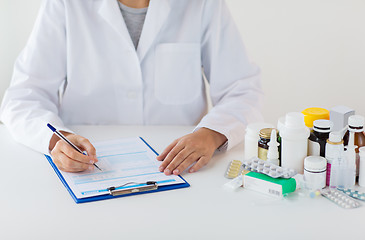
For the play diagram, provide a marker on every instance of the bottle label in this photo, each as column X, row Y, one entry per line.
column 314, row 149
column 328, row 178
column 262, row 153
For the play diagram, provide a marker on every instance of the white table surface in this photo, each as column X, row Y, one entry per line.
column 36, row 205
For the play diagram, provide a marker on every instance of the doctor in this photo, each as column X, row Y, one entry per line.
column 133, row 62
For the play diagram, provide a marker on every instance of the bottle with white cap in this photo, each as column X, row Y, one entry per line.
column 335, row 157
column 318, row 138
column 273, row 152
column 356, row 125
column 315, row 172
column 294, row 141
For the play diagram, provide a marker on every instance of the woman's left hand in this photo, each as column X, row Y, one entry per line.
column 198, row 147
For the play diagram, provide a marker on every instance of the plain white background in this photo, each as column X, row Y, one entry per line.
column 311, row 52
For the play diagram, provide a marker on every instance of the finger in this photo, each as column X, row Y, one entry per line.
column 67, row 164
column 74, row 154
column 186, row 163
column 170, row 156
column 199, row 164
column 85, row 145
column 179, row 158
column 167, row 150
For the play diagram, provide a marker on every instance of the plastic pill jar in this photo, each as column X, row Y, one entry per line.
column 315, row 172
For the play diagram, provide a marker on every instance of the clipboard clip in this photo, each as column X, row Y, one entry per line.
column 147, row 186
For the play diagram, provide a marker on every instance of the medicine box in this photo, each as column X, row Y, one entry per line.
column 339, row 115
column 276, row 187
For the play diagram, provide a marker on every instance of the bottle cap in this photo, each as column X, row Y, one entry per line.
column 356, row 121
column 273, row 151
column 266, row 132
column 315, row 163
column 312, row 114
column 294, row 120
column 322, row 126
column 335, row 137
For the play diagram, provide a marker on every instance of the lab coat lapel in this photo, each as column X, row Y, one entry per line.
column 157, row 14
column 110, row 11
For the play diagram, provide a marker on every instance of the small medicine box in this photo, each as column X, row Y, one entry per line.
column 339, row 115
column 271, row 186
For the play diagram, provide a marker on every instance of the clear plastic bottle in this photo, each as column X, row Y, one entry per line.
column 349, row 171
column 335, row 158
column 294, row 141
column 356, row 125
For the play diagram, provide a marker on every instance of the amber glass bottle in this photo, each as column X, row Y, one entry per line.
column 263, row 146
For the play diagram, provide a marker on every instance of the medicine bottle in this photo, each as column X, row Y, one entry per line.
column 252, row 137
column 335, row 157
column 362, row 167
column 273, row 152
column 356, row 125
column 315, row 172
column 263, row 146
column 348, row 171
column 314, row 113
column 280, row 125
column 318, row 137
column 294, row 142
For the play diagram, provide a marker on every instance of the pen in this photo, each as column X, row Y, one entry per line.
column 60, row 135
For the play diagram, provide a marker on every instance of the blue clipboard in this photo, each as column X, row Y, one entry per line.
column 108, row 196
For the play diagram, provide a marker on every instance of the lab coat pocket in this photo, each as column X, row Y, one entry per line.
column 178, row 76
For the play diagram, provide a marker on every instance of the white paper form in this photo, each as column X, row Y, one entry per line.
column 122, row 161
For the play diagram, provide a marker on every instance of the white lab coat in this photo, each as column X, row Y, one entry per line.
column 81, row 67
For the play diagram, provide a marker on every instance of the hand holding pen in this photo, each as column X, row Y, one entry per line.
column 67, row 154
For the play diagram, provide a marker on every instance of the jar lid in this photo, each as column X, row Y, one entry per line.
column 314, row 113
column 322, row 126
column 356, row 121
column 315, row 163
column 266, row 133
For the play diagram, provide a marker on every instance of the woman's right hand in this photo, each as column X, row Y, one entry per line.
column 67, row 158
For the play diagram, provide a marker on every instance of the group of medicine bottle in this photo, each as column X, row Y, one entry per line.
column 310, row 133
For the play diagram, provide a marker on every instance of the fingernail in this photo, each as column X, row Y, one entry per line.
column 176, row 171
column 91, row 161
column 167, row 171
column 191, row 170
column 161, row 169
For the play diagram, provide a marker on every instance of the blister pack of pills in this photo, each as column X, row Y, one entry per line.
column 353, row 193
column 267, row 168
column 234, row 169
column 340, row 198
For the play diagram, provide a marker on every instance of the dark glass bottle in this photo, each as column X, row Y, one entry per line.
column 318, row 137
